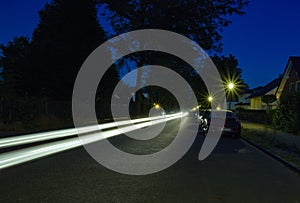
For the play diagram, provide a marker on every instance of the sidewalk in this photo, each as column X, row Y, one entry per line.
column 287, row 138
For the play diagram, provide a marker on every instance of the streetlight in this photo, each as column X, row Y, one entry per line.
column 210, row 100
column 230, row 87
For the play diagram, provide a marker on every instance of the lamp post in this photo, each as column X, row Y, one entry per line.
column 230, row 87
column 210, row 100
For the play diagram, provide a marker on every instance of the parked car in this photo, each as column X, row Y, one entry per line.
column 232, row 125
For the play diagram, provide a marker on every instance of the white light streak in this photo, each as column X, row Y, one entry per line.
column 44, row 136
column 12, row 158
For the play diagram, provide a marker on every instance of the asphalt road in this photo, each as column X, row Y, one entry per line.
column 234, row 172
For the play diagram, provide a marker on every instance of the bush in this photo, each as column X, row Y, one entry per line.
column 257, row 116
column 284, row 119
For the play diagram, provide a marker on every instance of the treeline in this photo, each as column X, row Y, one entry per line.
column 41, row 70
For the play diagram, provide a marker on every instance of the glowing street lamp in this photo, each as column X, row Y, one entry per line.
column 230, row 86
column 157, row 106
column 210, row 98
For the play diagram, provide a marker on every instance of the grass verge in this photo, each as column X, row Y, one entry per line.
column 275, row 144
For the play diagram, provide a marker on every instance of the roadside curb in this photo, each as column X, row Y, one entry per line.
column 274, row 156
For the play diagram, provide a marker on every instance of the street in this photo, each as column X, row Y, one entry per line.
column 234, row 172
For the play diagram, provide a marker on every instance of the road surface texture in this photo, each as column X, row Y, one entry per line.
column 234, row 172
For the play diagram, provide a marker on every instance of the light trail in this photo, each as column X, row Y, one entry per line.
column 44, row 136
column 12, row 158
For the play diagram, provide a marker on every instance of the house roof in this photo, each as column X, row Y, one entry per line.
column 262, row 90
column 242, row 104
column 296, row 63
column 293, row 62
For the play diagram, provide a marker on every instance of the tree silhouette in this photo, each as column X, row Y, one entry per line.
column 68, row 31
column 46, row 67
column 14, row 61
column 201, row 21
column 230, row 72
column 268, row 99
column 14, row 79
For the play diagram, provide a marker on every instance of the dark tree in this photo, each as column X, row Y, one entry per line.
column 200, row 20
column 14, row 80
column 68, row 31
column 104, row 93
column 44, row 69
column 230, row 72
column 287, row 114
column 14, row 61
column 155, row 94
column 268, row 99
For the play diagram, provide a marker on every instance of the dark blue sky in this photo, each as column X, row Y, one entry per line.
column 262, row 39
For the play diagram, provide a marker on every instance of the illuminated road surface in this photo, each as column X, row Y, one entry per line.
column 235, row 172
column 91, row 134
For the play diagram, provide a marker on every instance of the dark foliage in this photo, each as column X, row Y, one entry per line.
column 287, row 116
column 200, row 20
column 14, row 61
column 44, row 69
column 68, row 31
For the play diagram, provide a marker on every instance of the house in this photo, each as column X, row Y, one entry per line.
column 290, row 83
column 257, row 93
column 243, row 101
column 288, row 93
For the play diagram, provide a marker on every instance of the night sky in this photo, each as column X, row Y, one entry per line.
column 262, row 39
